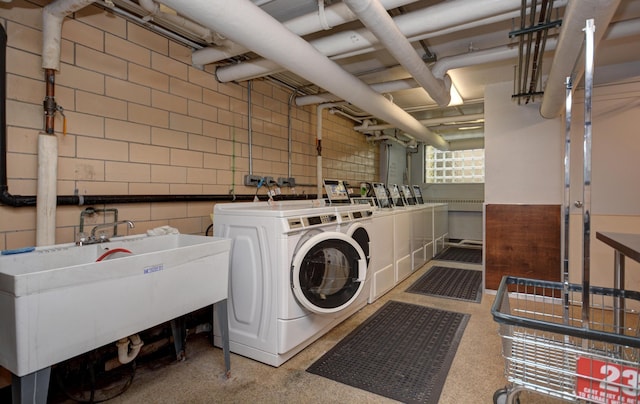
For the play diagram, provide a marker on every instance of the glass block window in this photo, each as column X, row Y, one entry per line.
column 458, row 166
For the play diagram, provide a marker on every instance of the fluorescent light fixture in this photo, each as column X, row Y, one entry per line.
column 456, row 99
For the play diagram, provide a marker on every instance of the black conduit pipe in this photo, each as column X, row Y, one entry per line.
column 20, row 201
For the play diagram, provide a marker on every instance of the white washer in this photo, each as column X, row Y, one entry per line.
column 440, row 227
column 382, row 268
column 422, row 239
column 402, row 249
column 294, row 274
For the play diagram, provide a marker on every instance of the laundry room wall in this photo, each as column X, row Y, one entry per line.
column 615, row 164
column 141, row 120
column 524, row 165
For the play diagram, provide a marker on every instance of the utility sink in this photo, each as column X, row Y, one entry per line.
column 58, row 302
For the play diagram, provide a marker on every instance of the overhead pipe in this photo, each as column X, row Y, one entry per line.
column 245, row 23
column 569, row 50
column 383, row 87
column 443, row 65
column 426, row 122
column 378, row 21
column 451, row 15
column 201, row 32
column 323, row 19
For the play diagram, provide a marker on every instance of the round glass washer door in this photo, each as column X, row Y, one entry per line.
column 328, row 272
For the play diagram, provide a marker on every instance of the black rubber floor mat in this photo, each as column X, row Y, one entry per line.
column 453, row 283
column 403, row 352
column 461, row 254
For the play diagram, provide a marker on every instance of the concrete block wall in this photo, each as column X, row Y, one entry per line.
column 142, row 120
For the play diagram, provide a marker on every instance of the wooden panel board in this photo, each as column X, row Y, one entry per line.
column 523, row 241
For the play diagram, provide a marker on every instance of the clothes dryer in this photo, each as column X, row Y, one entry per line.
column 294, row 274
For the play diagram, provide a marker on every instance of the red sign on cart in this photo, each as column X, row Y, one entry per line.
column 606, row 382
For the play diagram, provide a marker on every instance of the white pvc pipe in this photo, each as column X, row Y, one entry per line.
column 245, row 23
column 378, row 21
column 47, row 189
column 569, row 50
column 52, row 16
column 334, row 15
column 439, row 16
column 129, row 348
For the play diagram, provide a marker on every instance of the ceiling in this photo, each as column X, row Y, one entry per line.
column 472, row 46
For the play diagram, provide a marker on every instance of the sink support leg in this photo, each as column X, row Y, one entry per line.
column 31, row 388
column 179, row 332
column 221, row 312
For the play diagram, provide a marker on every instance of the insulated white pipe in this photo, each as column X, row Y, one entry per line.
column 378, row 21
column 46, row 198
column 335, row 14
column 384, row 87
column 439, row 16
column 444, row 65
column 245, row 23
column 569, row 50
column 52, row 16
column 47, row 189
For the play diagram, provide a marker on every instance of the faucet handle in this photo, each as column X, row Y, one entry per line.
column 81, row 238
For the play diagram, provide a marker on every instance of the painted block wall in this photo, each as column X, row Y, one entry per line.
column 142, row 120
column 524, row 164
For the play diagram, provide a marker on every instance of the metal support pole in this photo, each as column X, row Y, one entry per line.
column 567, row 196
column 586, row 192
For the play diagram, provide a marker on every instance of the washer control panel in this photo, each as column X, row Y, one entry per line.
column 311, row 221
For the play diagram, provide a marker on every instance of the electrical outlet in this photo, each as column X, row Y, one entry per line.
column 269, row 181
column 286, row 182
column 252, row 180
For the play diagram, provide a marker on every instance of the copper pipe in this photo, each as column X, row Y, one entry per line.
column 50, row 107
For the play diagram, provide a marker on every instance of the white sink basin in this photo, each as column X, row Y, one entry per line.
column 58, row 302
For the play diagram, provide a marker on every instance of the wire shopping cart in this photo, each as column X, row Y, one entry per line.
column 548, row 350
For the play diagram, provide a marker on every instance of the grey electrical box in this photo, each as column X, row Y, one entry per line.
column 286, row 182
column 252, row 180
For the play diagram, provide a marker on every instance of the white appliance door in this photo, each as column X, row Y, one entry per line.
column 328, row 272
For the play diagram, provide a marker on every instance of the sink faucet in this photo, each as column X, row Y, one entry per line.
column 102, row 238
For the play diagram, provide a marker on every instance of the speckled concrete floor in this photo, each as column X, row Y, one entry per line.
column 476, row 373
